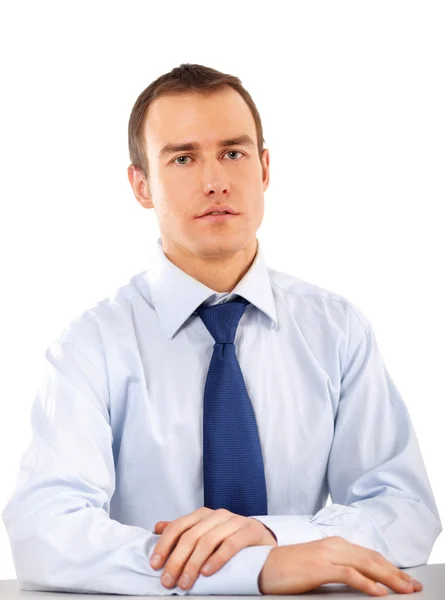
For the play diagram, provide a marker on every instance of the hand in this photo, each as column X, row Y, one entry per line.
column 298, row 568
column 194, row 538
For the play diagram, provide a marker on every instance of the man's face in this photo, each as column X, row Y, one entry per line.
column 184, row 183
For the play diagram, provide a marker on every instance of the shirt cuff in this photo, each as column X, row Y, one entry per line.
column 239, row 576
column 291, row 529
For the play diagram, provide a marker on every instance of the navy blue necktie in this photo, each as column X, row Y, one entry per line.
column 233, row 463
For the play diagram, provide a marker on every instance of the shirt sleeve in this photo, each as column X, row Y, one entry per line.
column 58, row 518
column 381, row 495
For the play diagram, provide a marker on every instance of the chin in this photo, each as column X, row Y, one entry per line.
column 219, row 246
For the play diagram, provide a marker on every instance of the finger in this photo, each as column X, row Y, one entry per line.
column 395, row 580
column 350, row 576
column 391, row 568
column 378, row 566
column 233, row 542
column 343, row 552
column 215, row 548
column 188, row 542
column 160, row 526
column 373, row 566
column 172, row 532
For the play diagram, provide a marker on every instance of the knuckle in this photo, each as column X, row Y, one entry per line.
column 405, row 576
column 368, row 562
column 333, row 542
column 231, row 544
column 222, row 511
column 338, row 539
column 208, row 540
column 171, row 532
column 187, row 537
column 347, row 572
column 379, row 558
column 204, row 510
column 243, row 523
column 394, row 578
column 169, row 526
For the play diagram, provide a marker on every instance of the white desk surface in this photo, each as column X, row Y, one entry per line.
column 432, row 577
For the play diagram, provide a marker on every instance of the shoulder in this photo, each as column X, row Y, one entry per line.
column 96, row 324
column 312, row 301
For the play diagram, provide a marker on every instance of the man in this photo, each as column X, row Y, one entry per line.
column 206, row 410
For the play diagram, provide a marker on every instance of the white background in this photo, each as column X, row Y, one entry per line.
column 352, row 98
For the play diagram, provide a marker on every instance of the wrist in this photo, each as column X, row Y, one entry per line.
column 265, row 574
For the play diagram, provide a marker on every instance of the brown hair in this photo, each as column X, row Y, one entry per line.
column 185, row 78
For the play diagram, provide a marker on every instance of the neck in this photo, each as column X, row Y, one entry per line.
column 219, row 273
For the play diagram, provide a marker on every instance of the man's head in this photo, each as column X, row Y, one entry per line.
column 195, row 141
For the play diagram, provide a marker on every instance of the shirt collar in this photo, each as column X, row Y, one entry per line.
column 176, row 295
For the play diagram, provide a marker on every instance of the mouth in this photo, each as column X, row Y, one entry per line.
column 216, row 218
column 218, row 213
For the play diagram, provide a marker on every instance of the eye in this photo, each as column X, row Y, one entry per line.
column 181, row 163
column 234, row 152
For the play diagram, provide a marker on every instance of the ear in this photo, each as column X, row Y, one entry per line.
column 140, row 186
column 265, row 168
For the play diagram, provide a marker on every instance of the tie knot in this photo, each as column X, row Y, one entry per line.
column 222, row 319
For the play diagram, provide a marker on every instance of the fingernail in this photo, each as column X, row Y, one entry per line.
column 416, row 582
column 207, row 568
column 155, row 560
column 184, row 580
column 166, row 579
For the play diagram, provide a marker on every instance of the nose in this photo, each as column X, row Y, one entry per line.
column 215, row 180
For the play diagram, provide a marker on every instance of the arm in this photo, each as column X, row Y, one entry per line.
column 381, row 494
column 61, row 535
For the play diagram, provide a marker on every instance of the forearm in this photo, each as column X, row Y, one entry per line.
column 82, row 550
column 401, row 529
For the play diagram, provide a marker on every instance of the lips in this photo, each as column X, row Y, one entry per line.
column 219, row 209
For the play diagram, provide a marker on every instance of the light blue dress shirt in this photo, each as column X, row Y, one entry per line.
column 117, row 434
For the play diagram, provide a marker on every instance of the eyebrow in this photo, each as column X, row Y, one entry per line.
column 241, row 140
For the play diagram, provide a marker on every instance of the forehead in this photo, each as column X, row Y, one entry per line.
column 204, row 118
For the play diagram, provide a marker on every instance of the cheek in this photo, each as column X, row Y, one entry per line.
column 178, row 173
column 178, row 187
column 251, row 175
column 173, row 205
